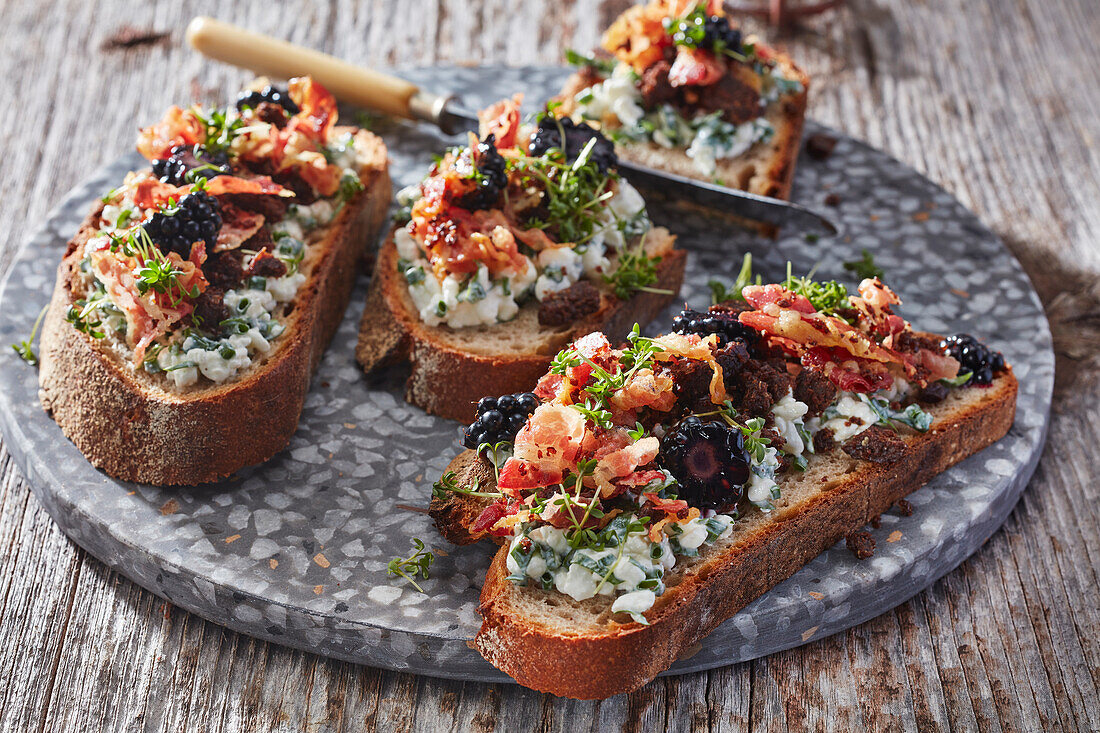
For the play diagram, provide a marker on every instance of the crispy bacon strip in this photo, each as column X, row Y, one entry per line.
column 695, row 67
column 150, row 192
column 623, row 462
column 151, row 314
column 853, row 358
column 238, row 226
column 178, row 127
column 759, row 296
column 545, row 449
column 502, row 120
column 317, row 109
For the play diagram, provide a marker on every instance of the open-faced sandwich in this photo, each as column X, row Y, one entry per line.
column 514, row 245
column 653, row 490
column 197, row 298
column 680, row 88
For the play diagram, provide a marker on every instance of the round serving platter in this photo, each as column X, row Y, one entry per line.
column 295, row 551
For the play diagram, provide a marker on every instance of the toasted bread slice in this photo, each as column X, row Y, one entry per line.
column 134, row 427
column 766, row 169
column 549, row 642
column 451, row 369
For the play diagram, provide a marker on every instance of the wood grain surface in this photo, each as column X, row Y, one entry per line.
column 996, row 100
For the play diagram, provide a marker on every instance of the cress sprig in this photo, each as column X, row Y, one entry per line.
column 720, row 294
column 826, row 296
column 25, row 348
column 418, row 563
column 865, row 266
column 637, row 356
column 574, row 193
column 156, row 271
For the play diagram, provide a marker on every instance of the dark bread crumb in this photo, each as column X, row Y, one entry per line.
column 819, row 146
column 861, row 543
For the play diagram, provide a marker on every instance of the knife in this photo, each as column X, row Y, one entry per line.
column 395, row 96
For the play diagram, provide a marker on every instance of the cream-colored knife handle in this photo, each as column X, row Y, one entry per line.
column 272, row 57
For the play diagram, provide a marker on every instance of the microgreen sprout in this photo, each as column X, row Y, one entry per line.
column 417, row 563
column 448, row 484
column 826, row 296
column 25, row 348
column 720, row 294
column 864, row 267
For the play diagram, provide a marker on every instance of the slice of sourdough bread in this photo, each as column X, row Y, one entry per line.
column 549, row 642
column 134, row 427
column 451, row 369
column 766, row 169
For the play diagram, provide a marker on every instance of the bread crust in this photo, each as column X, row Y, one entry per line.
column 616, row 658
column 134, row 429
column 447, row 380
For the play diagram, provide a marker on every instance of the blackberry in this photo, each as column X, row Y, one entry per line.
column 709, row 461
column 491, row 176
column 271, row 94
column 577, row 136
column 499, row 418
column 711, row 33
column 197, row 217
column 184, row 159
column 975, row 357
column 704, row 323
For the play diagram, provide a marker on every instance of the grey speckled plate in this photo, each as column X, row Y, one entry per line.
column 295, row 551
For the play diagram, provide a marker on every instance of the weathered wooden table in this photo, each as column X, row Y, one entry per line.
column 996, row 101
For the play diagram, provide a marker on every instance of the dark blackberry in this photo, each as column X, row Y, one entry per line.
column 699, row 31
column 975, row 357
column 197, row 217
column 499, row 418
column 549, row 136
column 183, row 159
column 271, row 94
column 719, row 36
column 704, row 323
column 491, row 176
column 709, row 461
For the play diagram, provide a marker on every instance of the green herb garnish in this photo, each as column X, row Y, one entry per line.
column 220, row 129
column 25, row 348
column 448, row 484
column 601, row 66
column 157, row 272
column 573, row 193
column 690, row 31
column 958, row 380
column 864, row 267
column 416, row 563
column 636, row 272
column 718, row 291
column 827, row 296
column 638, row 355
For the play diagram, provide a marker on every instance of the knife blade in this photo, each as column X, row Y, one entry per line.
column 393, row 95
